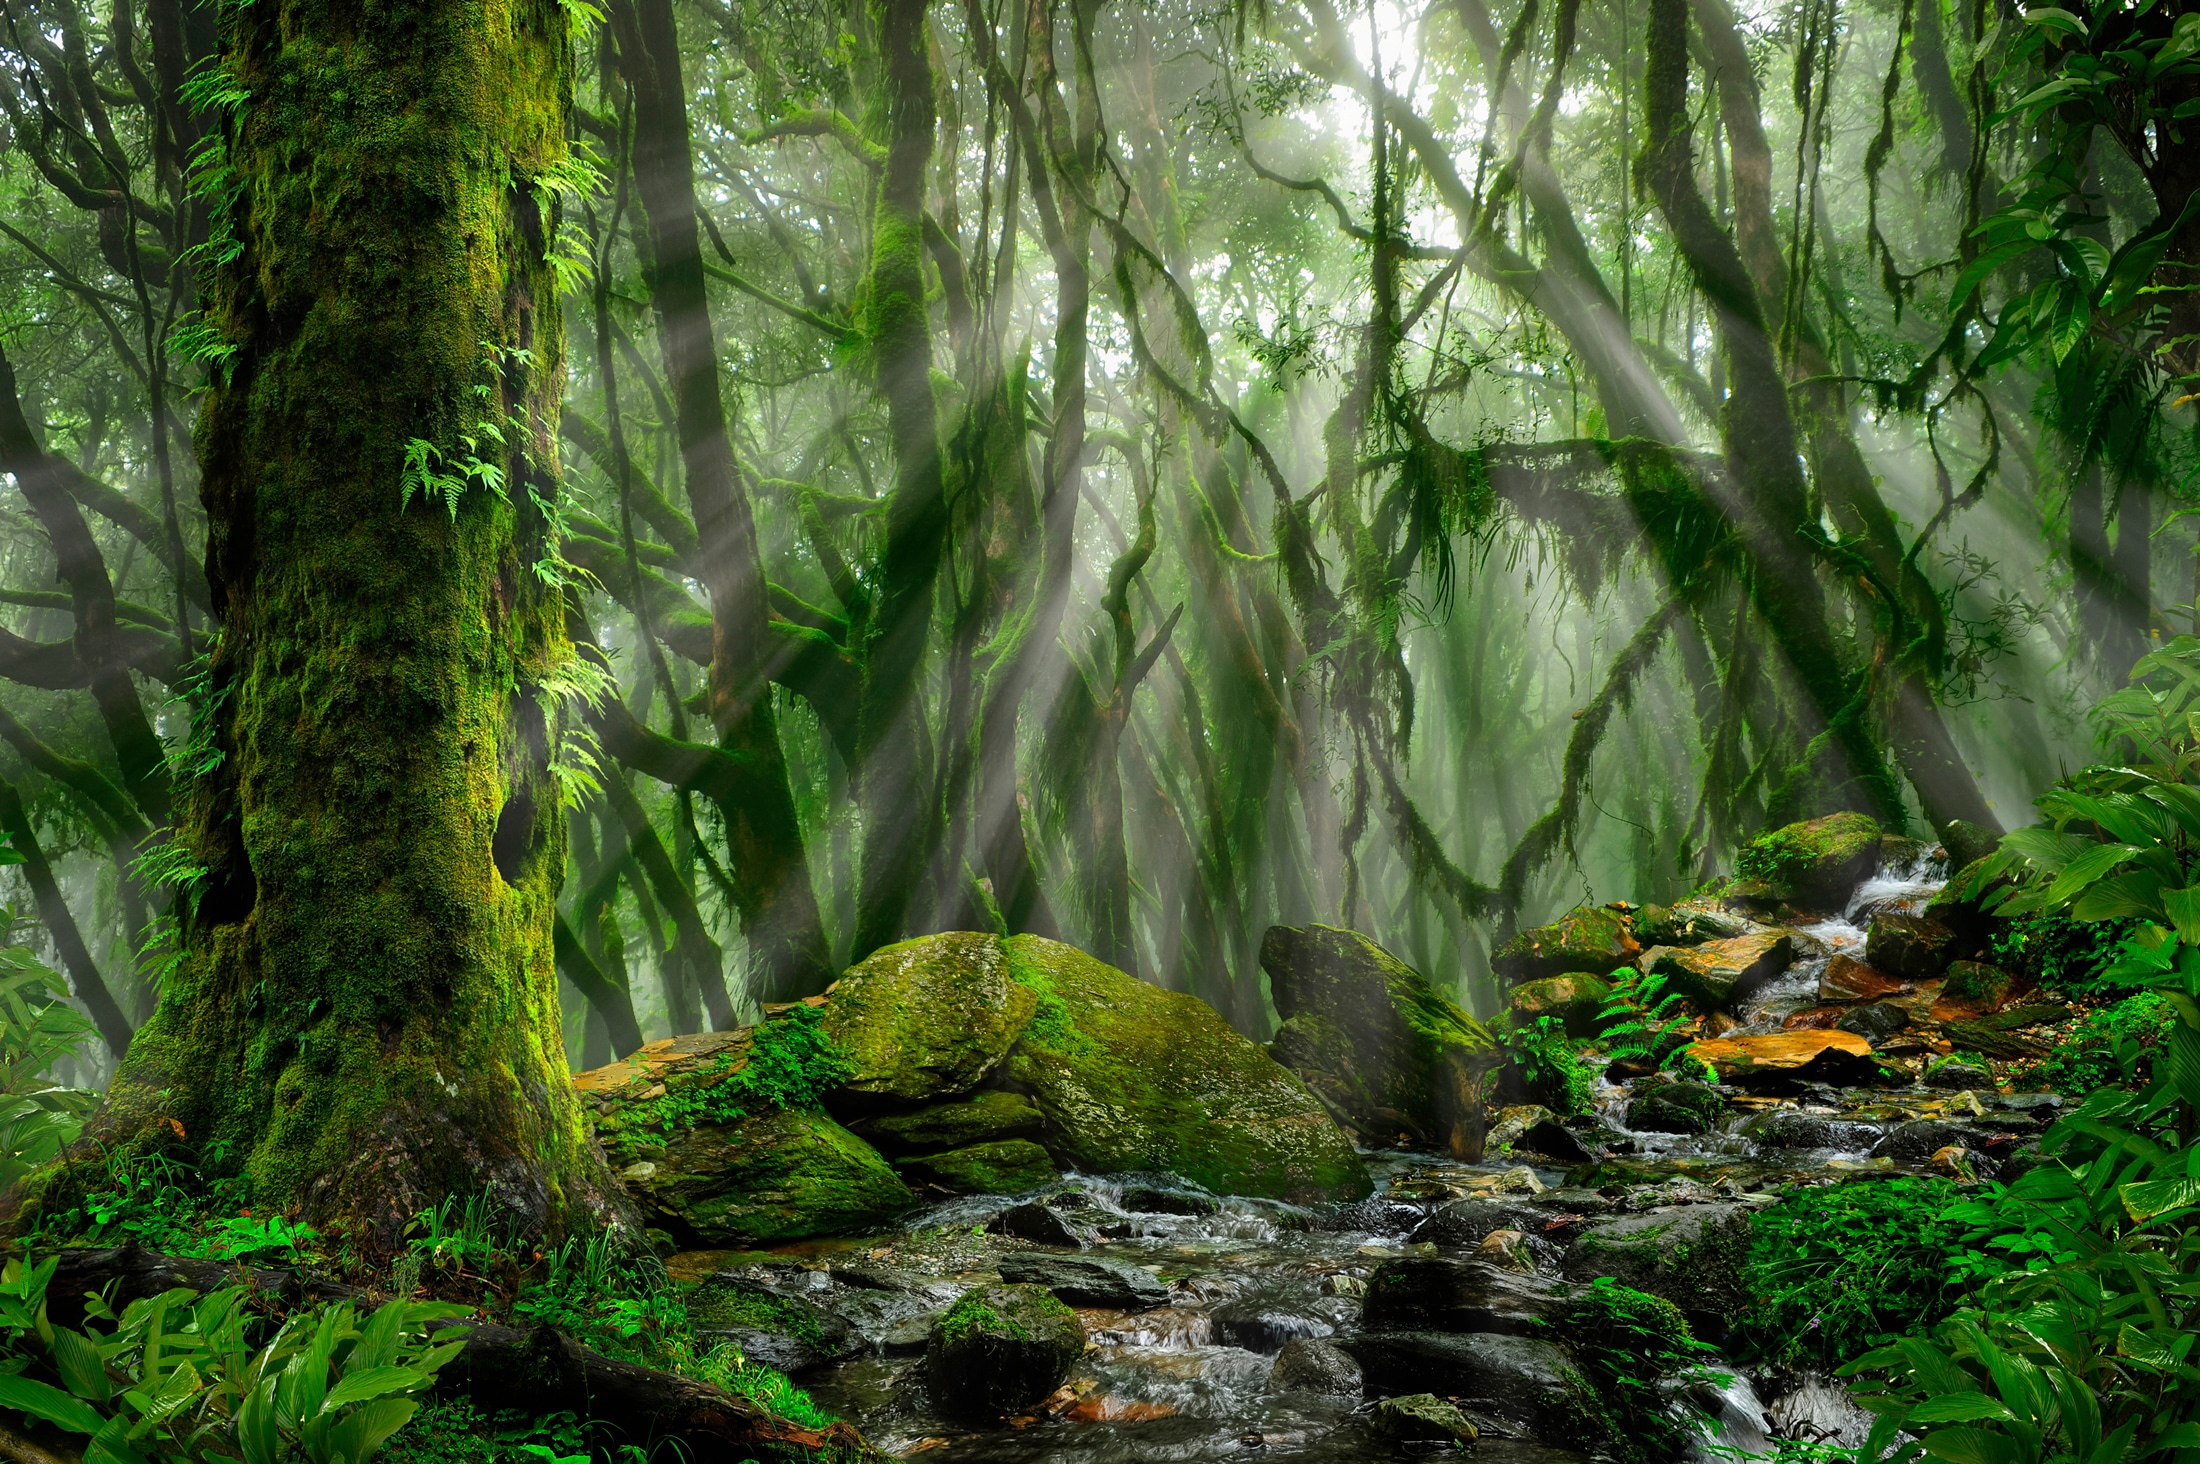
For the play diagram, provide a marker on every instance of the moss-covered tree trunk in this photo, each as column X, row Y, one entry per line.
column 364, row 1014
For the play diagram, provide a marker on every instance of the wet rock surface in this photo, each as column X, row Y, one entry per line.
column 1205, row 1319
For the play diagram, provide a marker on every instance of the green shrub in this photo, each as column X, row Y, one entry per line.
column 2113, row 1045
column 1835, row 1272
column 1624, row 1344
column 1551, row 1065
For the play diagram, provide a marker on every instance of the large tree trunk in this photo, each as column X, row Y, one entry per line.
column 778, row 906
column 365, row 1007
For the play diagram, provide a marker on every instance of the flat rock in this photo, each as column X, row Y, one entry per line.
column 927, row 1019
column 1005, row 1167
column 782, row 1329
column 1135, row 1078
column 1100, row 1281
column 1839, row 1058
column 1592, row 938
column 983, row 1117
column 1848, row 979
column 1451, row 1294
column 1142, row 1199
column 1719, row 973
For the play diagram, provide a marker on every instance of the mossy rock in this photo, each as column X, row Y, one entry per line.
column 1676, row 1108
column 1693, row 1256
column 1976, row 985
column 927, row 1019
column 1592, row 938
column 1005, row 1167
column 1001, row 1348
column 1371, row 1036
column 1131, row 1077
column 1913, row 947
column 984, row 1117
column 786, row 1174
column 1817, row 864
column 1719, row 973
column 790, row 1333
column 1576, row 999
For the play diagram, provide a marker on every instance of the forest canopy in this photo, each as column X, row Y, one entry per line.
column 1136, row 474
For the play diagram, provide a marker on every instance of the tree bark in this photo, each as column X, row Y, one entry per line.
column 85, row 981
column 365, row 1008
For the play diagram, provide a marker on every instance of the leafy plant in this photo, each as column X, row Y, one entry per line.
column 1641, row 1019
column 1551, row 1065
column 38, row 1118
column 2113, row 1045
column 178, row 1377
column 1837, row 1271
column 1626, row 1344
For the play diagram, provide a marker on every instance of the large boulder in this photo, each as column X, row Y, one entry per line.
column 1675, row 1108
column 1815, row 865
column 1001, row 1348
column 927, row 1019
column 1372, row 1037
column 1848, row 979
column 1591, row 938
column 1131, row 1077
column 779, row 1175
column 1692, row 1255
column 1316, row 1365
column 1718, row 973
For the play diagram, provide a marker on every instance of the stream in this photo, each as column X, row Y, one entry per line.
column 1195, row 1376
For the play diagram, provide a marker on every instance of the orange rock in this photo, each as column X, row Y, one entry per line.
column 1816, row 1018
column 1103, row 1408
column 1831, row 1055
column 1848, row 979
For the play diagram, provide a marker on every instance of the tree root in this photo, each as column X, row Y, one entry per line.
column 536, row 1371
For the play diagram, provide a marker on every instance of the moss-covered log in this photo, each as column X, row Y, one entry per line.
column 363, row 1014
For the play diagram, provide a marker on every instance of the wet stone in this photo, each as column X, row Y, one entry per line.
column 1314, row 1365
column 1788, row 1128
column 1449, row 1294
column 1909, row 946
column 1259, row 1327
column 1464, row 1224
column 1516, row 1384
column 1376, row 1215
column 1001, row 1348
column 1875, row 1020
column 1848, row 979
column 1098, row 1281
column 1420, row 1418
column 1039, row 1224
column 1147, row 1200
column 1917, row 1141
column 1675, row 1108
column 1957, row 1076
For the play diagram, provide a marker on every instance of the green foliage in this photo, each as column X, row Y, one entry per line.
column 37, row 1029
column 1625, row 1343
column 1837, row 1271
column 971, row 1314
column 1551, row 1065
column 181, row 1377
column 792, row 1062
column 165, row 1201
column 2079, row 1343
column 2063, row 954
column 1051, row 1026
column 2113, row 1045
column 1639, row 1021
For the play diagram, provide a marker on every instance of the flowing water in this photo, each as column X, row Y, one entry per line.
column 1191, row 1379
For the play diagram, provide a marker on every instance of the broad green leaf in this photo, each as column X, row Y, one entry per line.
column 83, row 1371
column 360, row 1435
column 1973, row 1446
column 257, row 1433
column 2153, row 1197
column 1962, row 1408
column 372, row 1382
column 44, row 1401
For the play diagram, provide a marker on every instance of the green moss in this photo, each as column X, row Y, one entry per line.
column 728, row 1310
column 928, row 1019
column 1153, row 1079
column 1821, row 859
column 972, row 1314
column 767, row 1178
column 1005, row 1167
column 1051, row 1022
column 1624, row 1343
column 791, row 1061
